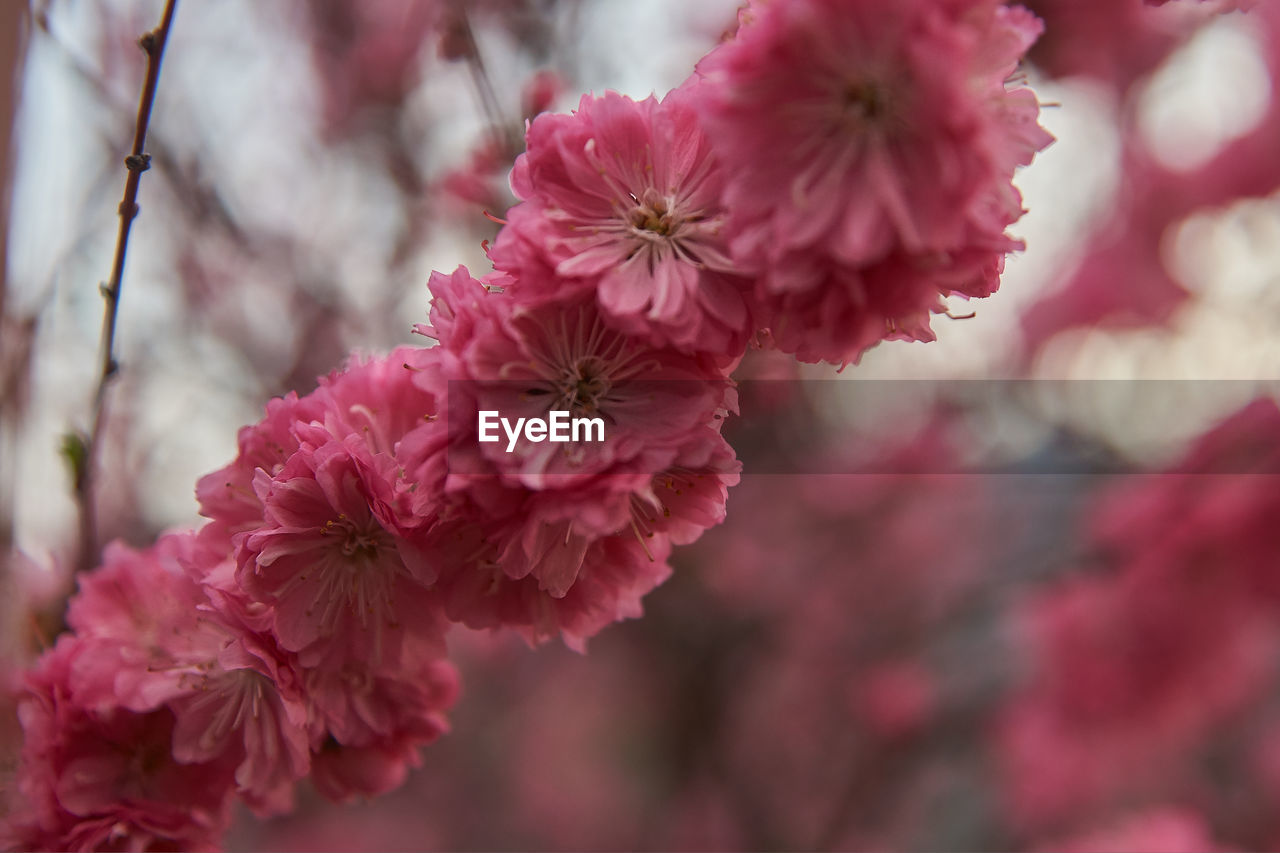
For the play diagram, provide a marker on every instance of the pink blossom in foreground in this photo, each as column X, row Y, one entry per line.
column 138, row 614
column 335, row 561
column 525, row 536
column 376, row 400
column 623, row 199
column 151, row 637
column 528, row 360
column 373, row 400
column 868, row 149
column 611, row 574
column 227, row 495
column 371, row 725
column 104, row 777
column 330, row 556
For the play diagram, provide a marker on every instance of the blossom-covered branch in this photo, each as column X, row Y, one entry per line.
column 301, row 632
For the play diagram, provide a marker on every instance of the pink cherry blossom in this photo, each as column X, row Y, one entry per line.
column 345, row 773
column 458, row 303
column 105, row 777
column 526, row 361
column 522, row 535
column 152, row 637
column 247, row 705
column 345, row 579
column 689, row 497
column 561, row 355
column 370, row 725
column 1156, row 830
column 227, row 494
column 138, row 614
column 358, row 705
column 623, row 199
column 611, row 574
column 859, row 135
column 375, row 399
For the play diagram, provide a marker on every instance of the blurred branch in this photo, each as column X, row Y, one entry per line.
column 138, row 161
column 15, row 341
column 461, row 43
column 16, row 336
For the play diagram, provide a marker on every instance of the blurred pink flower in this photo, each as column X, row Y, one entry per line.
column 1115, row 42
column 1134, row 668
column 1122, row 280
column 367, row 53
column 1158, row 830
column 868, row 150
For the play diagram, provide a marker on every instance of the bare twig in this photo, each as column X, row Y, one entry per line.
column 500, row 129
column 84, row 464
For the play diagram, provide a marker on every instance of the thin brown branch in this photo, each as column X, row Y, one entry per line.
column 85, row 464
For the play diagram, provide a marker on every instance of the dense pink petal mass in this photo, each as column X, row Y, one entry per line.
column 372, row 724
column 151, row 637
column 561, row 538
column 227, row 494
column 103, row 777
column 859, row 135
column 623, row 199
column 830, row 175
column 343, row 576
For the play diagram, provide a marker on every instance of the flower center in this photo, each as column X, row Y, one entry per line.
column 654, row 217
column 580, row 364
column 864, row 101
column 359, row 545
column 584, row 385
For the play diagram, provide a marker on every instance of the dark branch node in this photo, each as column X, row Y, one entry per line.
column 138, row 162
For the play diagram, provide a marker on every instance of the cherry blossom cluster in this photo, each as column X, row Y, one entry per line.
column 824, row 180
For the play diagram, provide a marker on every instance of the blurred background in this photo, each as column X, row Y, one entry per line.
column 1016, row 588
